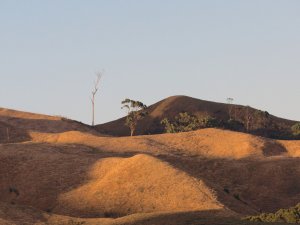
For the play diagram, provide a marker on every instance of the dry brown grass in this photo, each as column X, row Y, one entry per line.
column 28, row 122
column 141, row 183
column 212, row 143
column 66, row 170
column 172, row 106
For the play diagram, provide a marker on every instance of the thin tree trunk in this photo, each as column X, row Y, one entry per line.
column 7, row 133
column 234, row 112
column 93, row 111
column 94, row 91
column 131, row 132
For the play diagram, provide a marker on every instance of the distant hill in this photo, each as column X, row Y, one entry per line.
column 273, row 127
column 15, row 126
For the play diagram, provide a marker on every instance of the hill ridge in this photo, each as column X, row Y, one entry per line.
column 171, row 106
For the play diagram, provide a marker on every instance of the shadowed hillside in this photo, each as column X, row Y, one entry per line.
column 15, row 126
column 17, row 215
column 12, row 134
column 273, row 127
column 63, row 172
column 156, row 171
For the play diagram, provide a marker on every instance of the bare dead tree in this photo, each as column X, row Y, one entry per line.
column 94, row 92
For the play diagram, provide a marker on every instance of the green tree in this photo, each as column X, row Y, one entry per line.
column 135, row 111
column 182, row 122
column 235, row 125
column 263, row 118
column 291, row 215
column 169, row 127
column 296, row 128
column 185, row 122
column 209, row 121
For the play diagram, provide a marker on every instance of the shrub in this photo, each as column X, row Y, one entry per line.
column 296, row 129
column 291, row 215
column 263, row 119
column 226, row 190
column 169, row 127
column 236, row 125
column 73, row 222
column 183, row 122
column 209, row 121
column 236, row 196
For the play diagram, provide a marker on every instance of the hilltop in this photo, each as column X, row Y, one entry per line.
column 170, row 107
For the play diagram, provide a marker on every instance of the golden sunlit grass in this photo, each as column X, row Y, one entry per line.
column 66, row 169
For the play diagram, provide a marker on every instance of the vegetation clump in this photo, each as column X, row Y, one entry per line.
column 241, row 119
column 291, row 215
column 185, row 122
column 296, row 129
column 235, row 125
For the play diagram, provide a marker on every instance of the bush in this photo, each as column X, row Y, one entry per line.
column 72, row 222
column 169, row 127
column 296, row 129
column 236, row 196
column 236, row 125
column 226, row 190
column 291, row 215
column 184, row 122
column 209, row 122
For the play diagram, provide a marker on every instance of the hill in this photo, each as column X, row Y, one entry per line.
column 147, row 184
column 215, row 157
column 262, row 123
column 15, row 126
column 66, row 173
column 20, row 215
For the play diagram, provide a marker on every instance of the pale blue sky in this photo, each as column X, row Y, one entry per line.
column 49, row 51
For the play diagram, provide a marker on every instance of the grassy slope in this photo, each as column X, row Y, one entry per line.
column 170, row 107
column 60, row 169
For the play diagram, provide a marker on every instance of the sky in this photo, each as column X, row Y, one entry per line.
column 50, row 51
